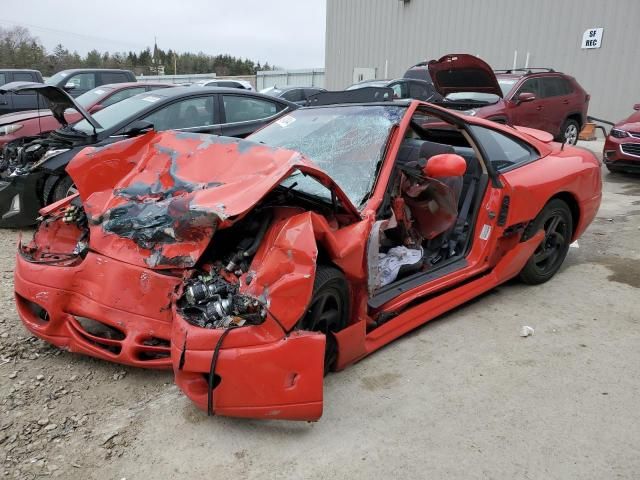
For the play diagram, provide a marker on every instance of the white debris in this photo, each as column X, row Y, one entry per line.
column 575, row 244
column 526, row 331
column 389, row 263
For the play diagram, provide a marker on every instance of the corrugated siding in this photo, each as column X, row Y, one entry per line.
column 368, row 33
column 312, row 77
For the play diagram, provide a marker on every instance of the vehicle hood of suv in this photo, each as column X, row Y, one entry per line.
column 463, row 73
column 631, row 123
column 59, row 100
column 156, row 200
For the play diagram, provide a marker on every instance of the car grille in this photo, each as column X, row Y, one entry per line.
column 631, row 149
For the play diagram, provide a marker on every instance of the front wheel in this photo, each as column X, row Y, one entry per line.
column 63, row 188
column 555, row 218
column 328, row 310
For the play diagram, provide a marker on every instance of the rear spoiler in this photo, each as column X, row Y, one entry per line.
column 358, row 95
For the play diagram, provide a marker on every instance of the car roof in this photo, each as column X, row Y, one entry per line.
column 19, row 70
column 80, row 70
column 134, row 84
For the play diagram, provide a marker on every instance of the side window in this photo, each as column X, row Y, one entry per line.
column 229, row 84
column 399, row 90
column 113, row 77
column 296, row 95
column 553, row 87
column 243, row 108
column 3, row 79
column 503, row 151
column 418, row 91
column 23, row 77
column 193, row 112
column 121, row 95
column 310, row 91
column 530, row 86
column 83, row 81
column 567, row 88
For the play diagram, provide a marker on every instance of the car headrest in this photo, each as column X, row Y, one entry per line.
column 413, row 149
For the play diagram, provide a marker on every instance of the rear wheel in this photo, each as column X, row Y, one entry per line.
column 555, row 218
column 570, row 131
column 329, row 310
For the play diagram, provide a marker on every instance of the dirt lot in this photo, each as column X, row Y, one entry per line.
column 462, row 397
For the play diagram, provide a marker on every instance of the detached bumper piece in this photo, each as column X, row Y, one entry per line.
column 101, row 307
column 19, row 201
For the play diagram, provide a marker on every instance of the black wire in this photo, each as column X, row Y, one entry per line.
column 212, row 369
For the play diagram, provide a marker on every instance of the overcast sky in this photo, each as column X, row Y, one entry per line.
column 288, row 33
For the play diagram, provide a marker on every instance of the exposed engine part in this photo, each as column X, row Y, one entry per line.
column 247, row 247
column 210, row 301
column 20, row 155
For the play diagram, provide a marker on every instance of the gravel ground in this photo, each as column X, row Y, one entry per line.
column 462, row 397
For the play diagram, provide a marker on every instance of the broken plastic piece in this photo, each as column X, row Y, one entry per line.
column 526, row 331
column 390, row 263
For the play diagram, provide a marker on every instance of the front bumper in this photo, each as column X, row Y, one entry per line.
column 20, row 200
column 101, row 307
column 622, row 153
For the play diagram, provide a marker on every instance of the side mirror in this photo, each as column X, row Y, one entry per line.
column 526, row 97
column 69, row 86
column 636, row 106
column 96, row 108
column 136, row 128
column 445, row 165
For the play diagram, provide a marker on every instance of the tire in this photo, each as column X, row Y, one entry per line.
column 570, row 131
column 63, row 188
column 328, row 310
column 47, row 189
column 555, row 218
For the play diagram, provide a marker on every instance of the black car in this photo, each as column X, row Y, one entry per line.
column 37, row 176
column 404, row 88
column 298, row 95
column 81, row 80
column 10, row 102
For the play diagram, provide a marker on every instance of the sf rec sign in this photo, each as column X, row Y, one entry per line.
column 592, row 38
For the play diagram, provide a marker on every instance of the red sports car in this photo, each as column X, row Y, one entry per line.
column 253, row 267
column 622, row 146
column 31, row 123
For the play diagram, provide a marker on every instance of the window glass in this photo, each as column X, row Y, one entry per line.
column 556, row 86
column 82, row 81
column 419, row 91
column 23, row 77
column 531, row 86
column 113, row 77
column 506, row 84
column 3, row 79
column 503, row 151
column 193, row 112
column 242, row 109
column 399, row 90
column 296, row 95
column 121, row 95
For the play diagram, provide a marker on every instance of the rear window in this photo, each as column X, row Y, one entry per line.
column 556, row 86
column 114, row 77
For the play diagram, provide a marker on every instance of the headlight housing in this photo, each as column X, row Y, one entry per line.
column 8, row 129
column 617, row 133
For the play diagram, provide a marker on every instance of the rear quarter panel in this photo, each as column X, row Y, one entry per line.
column 572, row 171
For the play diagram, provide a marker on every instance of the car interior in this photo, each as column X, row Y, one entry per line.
column 426, row 222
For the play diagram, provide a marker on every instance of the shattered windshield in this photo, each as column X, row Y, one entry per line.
column 347, row 142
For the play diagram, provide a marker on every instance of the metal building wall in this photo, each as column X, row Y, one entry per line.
column 395, row 34
column 307, row 77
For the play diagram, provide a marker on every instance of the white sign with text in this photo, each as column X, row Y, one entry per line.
column 592, row 38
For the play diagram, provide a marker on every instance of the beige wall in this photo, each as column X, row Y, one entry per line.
column 375, row 33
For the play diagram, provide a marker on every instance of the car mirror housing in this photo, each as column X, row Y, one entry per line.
column 69, row 86
column 636, row 106
column 526, row 97
column 445, row 165
column 136, row 128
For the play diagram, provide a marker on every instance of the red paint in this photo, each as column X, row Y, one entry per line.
column 269, row 370
column 624, row 153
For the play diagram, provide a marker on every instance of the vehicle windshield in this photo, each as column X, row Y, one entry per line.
column 57, row 78
column 347, row 142
column 90, row 98
column 112, row 115
column 506, row 84
column 479, row 97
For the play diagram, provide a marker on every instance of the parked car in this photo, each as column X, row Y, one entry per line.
column 536, row 98
column 253, row 267
column 298, row 95
column 76, row 82
column 81, row 80
column 622, row 146
column 37, row 176
column 31, row 123
column 14, row 103
column 225, row 83
column 404, row 88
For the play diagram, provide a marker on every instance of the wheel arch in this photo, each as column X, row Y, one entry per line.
column 574, row 207
column 577, row 116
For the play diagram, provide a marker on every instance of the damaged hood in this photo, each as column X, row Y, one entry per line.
column 463, row 73
column 156, row 200
column 59, row 100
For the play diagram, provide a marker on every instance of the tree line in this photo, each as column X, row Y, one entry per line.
column 20, row 49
